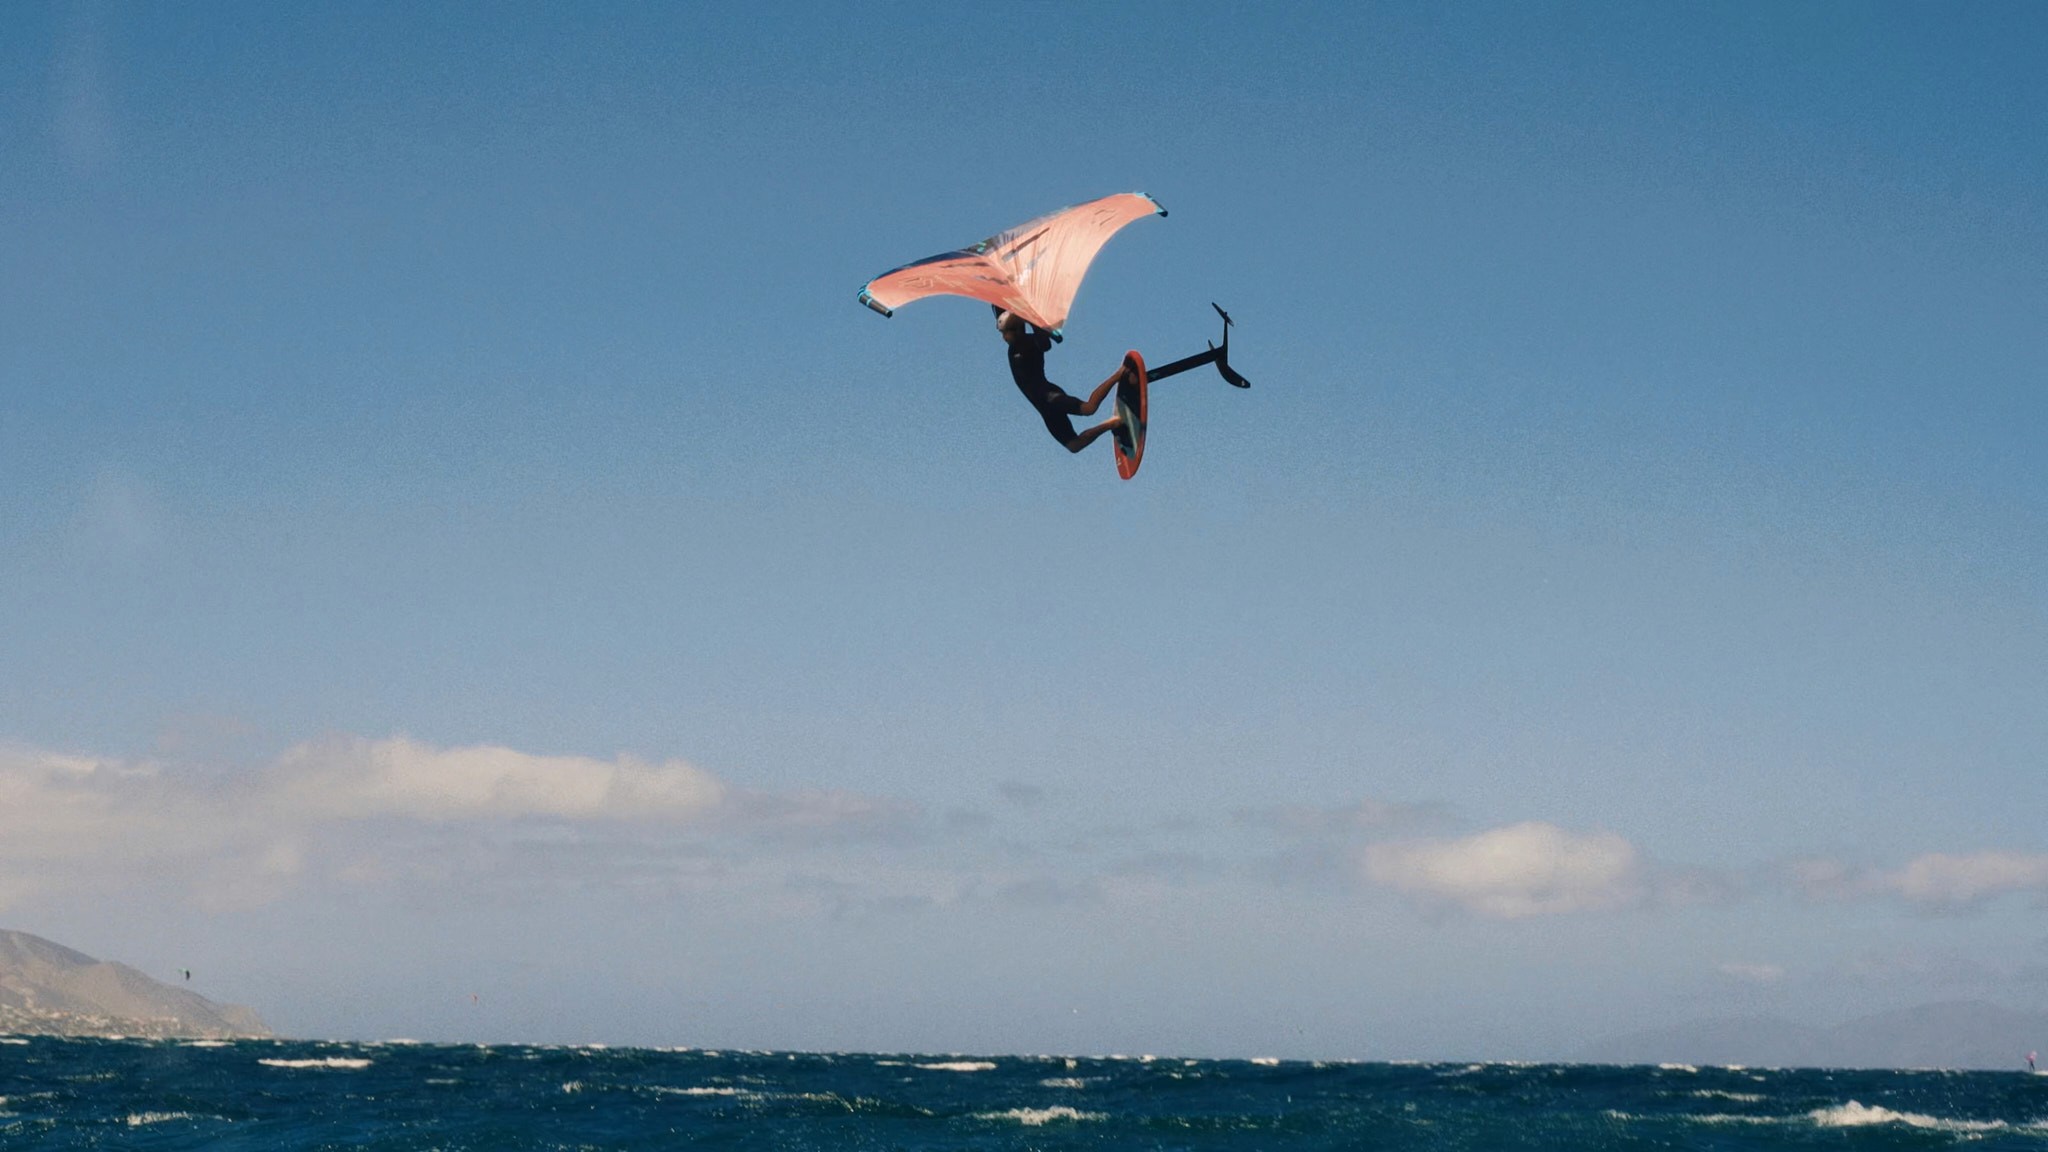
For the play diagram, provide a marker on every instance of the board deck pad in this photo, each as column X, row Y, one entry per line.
column 1130, row 404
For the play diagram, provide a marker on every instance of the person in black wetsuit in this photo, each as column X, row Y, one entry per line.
column 1028, row 346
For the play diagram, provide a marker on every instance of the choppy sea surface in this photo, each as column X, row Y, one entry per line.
column 276, row 1095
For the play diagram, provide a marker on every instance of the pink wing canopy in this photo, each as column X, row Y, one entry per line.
column 1033, row 269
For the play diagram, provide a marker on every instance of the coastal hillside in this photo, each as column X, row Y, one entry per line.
column 47, row 989
column 1953, row 1034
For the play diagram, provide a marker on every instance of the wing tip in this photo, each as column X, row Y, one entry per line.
column 869, row 300
column 1154, row 201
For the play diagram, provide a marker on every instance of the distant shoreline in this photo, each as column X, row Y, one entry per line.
column 47, row 989
column 19, row 1021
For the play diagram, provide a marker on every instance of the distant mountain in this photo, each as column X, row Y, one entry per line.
column 1953, row 1034
column 47, row 989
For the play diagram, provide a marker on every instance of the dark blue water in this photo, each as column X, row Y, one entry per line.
column 265, row 1095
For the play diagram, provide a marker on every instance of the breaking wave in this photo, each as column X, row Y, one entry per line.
column 1858, row 1115
column 1034, row 1117
column 138, row 1119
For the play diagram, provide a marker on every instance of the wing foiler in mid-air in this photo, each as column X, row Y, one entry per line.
column 1032, row 272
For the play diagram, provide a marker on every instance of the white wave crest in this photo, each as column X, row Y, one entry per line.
column 1063, row 1082
column 1858, row 1115
column 1718, row 1094
column 699, row 1090
column 1034, row 1117
column 208, row 1044
column 960, row 1066
column 322, row 1062
column 138, row 1119
column 1676, row 1068
column 572, row 1086
column 1691, row 1118
column 12, row 1040
column 1266, row 1061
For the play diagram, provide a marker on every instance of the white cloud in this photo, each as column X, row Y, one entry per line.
column 1935, row 881
column 56, row 807
column 1527, row 869
column 1943, row 881
column 357, row 811
column 74, row 824
column 406, row 778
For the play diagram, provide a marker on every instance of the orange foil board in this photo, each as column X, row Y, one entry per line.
column 1130, row 404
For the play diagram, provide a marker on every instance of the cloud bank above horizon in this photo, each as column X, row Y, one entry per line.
column 350, row 808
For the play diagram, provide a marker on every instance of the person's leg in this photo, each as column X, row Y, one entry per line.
column 1057, row 398
column 1057, row 423
column 1057, row 409
column 1096, row 397
column 1083, row 439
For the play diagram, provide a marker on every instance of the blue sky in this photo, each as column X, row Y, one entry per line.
column 462, row 536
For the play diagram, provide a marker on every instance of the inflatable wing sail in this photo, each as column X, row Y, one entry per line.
column 1033, row 269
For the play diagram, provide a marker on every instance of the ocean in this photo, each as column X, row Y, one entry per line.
column 58, row 1093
